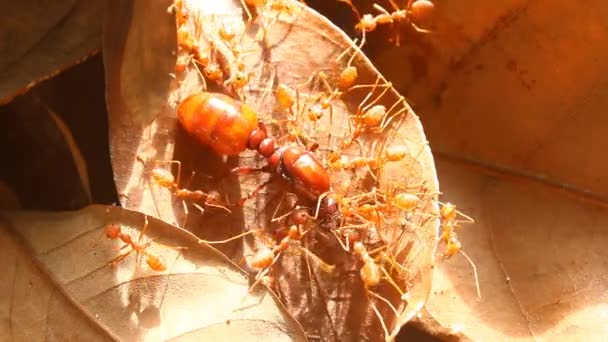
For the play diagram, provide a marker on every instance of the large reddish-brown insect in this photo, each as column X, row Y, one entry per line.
column 229, row 127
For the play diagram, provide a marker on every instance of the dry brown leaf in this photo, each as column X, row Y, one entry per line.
column 512, row 95
column 61, row 284
column 40, row 39
column 142, row 99
column 521, row 104
column 541, row 256
column 45, row 168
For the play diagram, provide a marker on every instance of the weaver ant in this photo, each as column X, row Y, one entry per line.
column 362, row 215
column 372, row 273
column 165, row 179
column 239, row 76
column 372, row 117
column 114, row 232
column 265, row 257
column 449, row 222
column 415, row 9
column 212, row 62
column 317, row 105
column 393, row 153
column 314, row 107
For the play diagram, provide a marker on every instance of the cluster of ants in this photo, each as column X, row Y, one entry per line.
column 359, row 221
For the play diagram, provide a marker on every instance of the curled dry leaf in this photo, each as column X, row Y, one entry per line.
column 297, row 45
column 45, row 168
column 62, row 277
column 540, row 253
column 39, row 39
column 513, row 99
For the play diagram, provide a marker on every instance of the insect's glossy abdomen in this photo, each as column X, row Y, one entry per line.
column 305, row 169
column 218, row 121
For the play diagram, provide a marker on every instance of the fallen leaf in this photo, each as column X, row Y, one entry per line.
column 64, row 277
column 47, row 171
column 540, row 256
column 512, row 96
column 144, row 134
column 39, row 40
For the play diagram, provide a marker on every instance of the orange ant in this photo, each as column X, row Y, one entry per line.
column 288, row 98
column 369, row 117
column 372, row 274
column 165, row 179
column 239, row 78
column 414, row 9
column 267, row 9
column 449, row 222
column 368, row 211
column 393, row 153
column 345, row 80
column 114, row 232
column 188, row 46
column 314, row 107
column 181, row 13
column 373, row 117
column 266, row 257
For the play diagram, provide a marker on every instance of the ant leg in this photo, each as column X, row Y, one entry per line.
column 386, row 120
column 245, row 170
column 366, row 98
column 200, row 74
column 394, row 5
column 346, row 52
column 386, row 334
column 219, row 206
column 383, row 10
column 344, row 246
column 219, row 242
column 319, row 201
column 418, row 29
column 179, row 168
column 143, row 230
column 392, row 282
column 331, row 120
column 264, row 271
column 121, row 257
column 276, row 210
column 324, row 266
column 254, row 192
column 386, row 87
column 474, row 272
column 389, row 304
column 186, row 212
column 247, row 11
column 200, row 208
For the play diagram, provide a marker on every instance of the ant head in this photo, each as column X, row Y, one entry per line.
column 214, row 197
column 112, row 231
column 262, row 258
column 299, row 216
column 359, row 248
column 329, row 212
column 448, row 212
column 163, row 177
